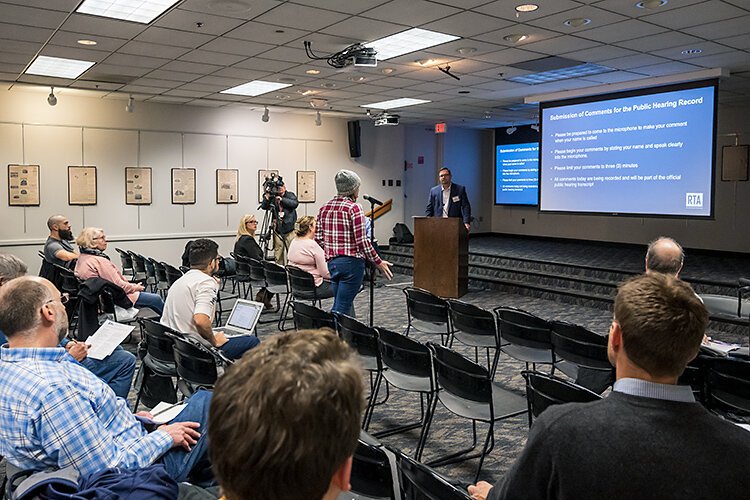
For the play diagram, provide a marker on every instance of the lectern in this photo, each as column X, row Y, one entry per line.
column 441, row 256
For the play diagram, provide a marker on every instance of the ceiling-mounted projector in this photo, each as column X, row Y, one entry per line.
column 364, row 57
column 385, row 119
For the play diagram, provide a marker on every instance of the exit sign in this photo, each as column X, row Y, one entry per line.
column 441, row 128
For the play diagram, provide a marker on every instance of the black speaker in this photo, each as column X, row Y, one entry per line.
column 402, row 234
column 355, row 148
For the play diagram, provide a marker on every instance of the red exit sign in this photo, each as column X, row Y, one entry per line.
column 441, row 128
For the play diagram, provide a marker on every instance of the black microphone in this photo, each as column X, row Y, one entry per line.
column 372, row 200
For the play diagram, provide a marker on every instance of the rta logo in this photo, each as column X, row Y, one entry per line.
column 694, row 200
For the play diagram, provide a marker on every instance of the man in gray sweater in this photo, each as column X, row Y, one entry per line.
column 648, row 438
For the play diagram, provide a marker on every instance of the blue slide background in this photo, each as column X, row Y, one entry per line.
column 517, row 168
column 693, row 161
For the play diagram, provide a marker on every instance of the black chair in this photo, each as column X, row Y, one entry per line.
column 543, row 391
column 151, row 279
column 308, row 317
column 465, row 389
column 525, row 337
column 428, row 314
column 302, row 285
column 197, row 365
column 139, row 267
column 728, row 387
column 407, row 365
column 582, row 355
column 158, row 355
column 364, row 340
column 242, row 275
column 127, row 264
column 162, row 283
column 173, row 274
column 420, row 482
column 371, row 475
column 69, row 283
column 477, row 328
column 277, row 282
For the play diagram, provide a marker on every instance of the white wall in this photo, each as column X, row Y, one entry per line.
column 85, row 130
column 419, row 178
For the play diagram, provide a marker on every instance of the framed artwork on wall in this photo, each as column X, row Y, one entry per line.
column 138, row 185
column 227, row 185
column 183, row 186
column 81, row 185
column 262, row 174
column 23, row 185
column 306, row 186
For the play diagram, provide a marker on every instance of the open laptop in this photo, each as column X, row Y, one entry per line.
column 243, row 318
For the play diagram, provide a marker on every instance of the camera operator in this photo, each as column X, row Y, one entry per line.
column 285, row 204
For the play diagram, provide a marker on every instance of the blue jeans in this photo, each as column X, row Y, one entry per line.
column 151, row 300
column 179, row 462
column 237, row 346
column 116, row 370
column 347, row 274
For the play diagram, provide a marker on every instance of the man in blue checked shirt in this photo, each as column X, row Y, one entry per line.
column 54, row 413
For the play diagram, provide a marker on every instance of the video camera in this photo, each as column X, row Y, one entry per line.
column 272, row 185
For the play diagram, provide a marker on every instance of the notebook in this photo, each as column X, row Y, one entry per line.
column 243, row 318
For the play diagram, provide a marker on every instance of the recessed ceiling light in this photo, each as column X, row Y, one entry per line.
column 58, row 66
column 651, row 4
column 577, row 22
column 526, row 7
column 425, row 62
column 328, row 85
column 86, row 42
column 307, row 92
column 515, row 38
column 313, row 71
column 408, row 41
column 464, row 92
column 283, row 96
column 357, row 78
column 140, row 11
column 387, row 71
column 255, row 88
column 690, row 52
column 466, row 50
column 394, row 103
column 287, row 79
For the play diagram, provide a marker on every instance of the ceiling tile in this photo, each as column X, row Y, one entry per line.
column 74, row 53
column 177, row 76
column 733, row 60
column 225, row 82
column 721, row 29
column 697, row 14
column 509, row 56
column 561, row 45
column 287, row 54
column 236, row 47
column 61, row 5
column 190, row 67
column 186, row 93
column 628, row 8
column 534, row 34
column 267, row 33
column 468, row 24
column 669, row 68
column 70, row 39
column 136, row 61
column 506, row 10
column 208, row 57
column 625, row 30
column 365, row 30
column 452, row 48
column 143, row 89
column 231, row 9
column 30, row 16
column 153, row 50
column 19, row 47
column 155, row 82
column 177, row 38
column 413, row 12
column 85, row 84
column 169, row 99
column 82, row 23
column 707, row 48
column 601, row 53
column 241, row 73
column 267, row 65
column 202, row 87
column 598, row 18
column 186, row 20
column 347, row 6
column 634, row 61
column 660, row 41
column 300, row 17
column 737, row 42
column 114, row 73
column 24, row 33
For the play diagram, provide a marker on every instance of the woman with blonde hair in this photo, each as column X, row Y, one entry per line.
column 94, row 263
column 306, row 254
column 245, row 245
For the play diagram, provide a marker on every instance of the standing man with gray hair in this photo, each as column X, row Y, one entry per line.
column 341, row 233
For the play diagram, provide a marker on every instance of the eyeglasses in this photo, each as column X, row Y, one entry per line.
column 64, row 298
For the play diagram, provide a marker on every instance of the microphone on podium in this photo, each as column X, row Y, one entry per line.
column 372, row 200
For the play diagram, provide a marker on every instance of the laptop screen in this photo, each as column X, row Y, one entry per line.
column 245, row 314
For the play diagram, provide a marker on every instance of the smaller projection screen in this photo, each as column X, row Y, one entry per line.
column 517, row 166
column 648, row 152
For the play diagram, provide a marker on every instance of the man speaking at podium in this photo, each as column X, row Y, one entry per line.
column 449, row 200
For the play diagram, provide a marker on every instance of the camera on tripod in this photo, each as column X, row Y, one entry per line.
column 272, row 185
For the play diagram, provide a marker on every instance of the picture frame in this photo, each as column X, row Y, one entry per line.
column 23, row 185
column 138, row 185
column 262, row 174
column 227, row 186
column 306, row 186
column 82, row 185
column 183, row 186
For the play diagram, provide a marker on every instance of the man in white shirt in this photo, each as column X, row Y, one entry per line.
column 191, row 303
column 448, row 199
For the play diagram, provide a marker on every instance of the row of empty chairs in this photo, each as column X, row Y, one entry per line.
column 155, row 275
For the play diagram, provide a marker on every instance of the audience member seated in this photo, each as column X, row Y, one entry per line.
column 305, row 253
column 94, row 263
column 116, row 370
column 246, row 246
column 54, row 413
column 284, row 421
column 191, row 303
column 58, row 249
column 648, row 438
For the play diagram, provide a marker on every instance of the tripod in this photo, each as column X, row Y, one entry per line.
column 269, row 228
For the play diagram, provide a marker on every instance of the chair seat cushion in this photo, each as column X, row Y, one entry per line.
column 474, row 340
column 506, row 403
column 407, row 382
column 429, row 327
column 528, row 354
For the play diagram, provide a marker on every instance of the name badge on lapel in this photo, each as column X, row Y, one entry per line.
column 456, row 199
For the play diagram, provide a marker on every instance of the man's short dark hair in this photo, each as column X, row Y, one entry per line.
column 20, row 302
column 664, row 262
column 662, row 322
column 202, row 252
column 445, row 168
column 285, row 417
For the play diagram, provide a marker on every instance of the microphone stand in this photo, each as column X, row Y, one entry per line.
column 372, row 266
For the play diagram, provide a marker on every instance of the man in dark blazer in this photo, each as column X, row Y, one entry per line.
column 449, row 200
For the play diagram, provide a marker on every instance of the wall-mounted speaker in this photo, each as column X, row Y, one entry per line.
column 355, row 147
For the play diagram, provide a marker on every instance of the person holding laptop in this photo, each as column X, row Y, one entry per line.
column 191, row 303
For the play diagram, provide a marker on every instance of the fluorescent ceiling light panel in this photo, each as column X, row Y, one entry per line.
column 58, row 66
column 408, row 41
column 395, row 103
column 138, row 11
column 561, row 74
column 255, row 88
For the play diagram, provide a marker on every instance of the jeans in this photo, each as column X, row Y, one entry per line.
column 179, row 462
column 151, row 300
column 116, row 370
column 347, row 274
column 237, row 346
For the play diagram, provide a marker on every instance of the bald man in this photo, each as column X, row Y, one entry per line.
column 58, row 249
column 664, row 255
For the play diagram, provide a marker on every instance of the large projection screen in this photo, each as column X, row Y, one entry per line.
column 648, row 152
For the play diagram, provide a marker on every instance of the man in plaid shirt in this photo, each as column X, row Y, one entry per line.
column 341, row 233
column 54, row 413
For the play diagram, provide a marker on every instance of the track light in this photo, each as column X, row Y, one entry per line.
column 52, row 98
column 511, row 130
column 318, row 120
column 130, row 106
column 265, row 116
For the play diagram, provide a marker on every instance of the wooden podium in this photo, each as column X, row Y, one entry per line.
column 441, row 256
